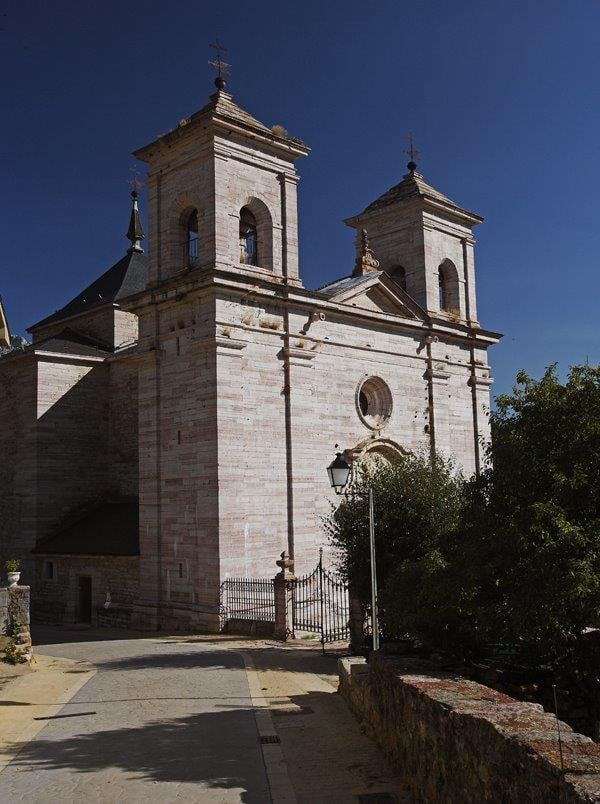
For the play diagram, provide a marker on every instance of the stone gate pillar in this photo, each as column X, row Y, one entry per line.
column 284, row 598
column 14, row 619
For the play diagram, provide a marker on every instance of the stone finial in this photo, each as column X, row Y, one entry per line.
column 365, row 259
column 285, row 562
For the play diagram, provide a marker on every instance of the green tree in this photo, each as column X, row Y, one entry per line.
column 537, row 509
column 533, row 523
column 510, row 556
column 417, row 506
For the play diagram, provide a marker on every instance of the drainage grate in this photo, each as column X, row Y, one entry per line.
column 266, row 739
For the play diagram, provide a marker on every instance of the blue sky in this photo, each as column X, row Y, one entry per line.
column 502, row 98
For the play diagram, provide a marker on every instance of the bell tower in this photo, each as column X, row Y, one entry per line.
column 424, row 241
column 223, row 194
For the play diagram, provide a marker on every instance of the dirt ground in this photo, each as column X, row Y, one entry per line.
column 9, row 672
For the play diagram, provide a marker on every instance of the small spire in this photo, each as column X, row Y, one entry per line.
column 135, row 233
column 365, row 259
column 222, row 67
column 413, row 153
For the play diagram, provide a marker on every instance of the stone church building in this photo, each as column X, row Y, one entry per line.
column 171, row 425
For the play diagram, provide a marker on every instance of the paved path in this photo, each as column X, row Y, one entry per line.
column 179, row 719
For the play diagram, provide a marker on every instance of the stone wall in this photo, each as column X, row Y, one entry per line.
column 115, row 586
column 123, row 458
column 326, row 359
column 72, row 424
column 178, row 492
column 14, row 619
column 18, row 438
column 456, row 741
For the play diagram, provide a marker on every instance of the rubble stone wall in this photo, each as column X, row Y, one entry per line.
column 454, row 740
column 14, row 619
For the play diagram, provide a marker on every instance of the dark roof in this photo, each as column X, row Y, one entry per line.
column 71, row 342
column 126, row 277
column 413, row 185
column 135, row 231
column 110, row 528
column 346, row 283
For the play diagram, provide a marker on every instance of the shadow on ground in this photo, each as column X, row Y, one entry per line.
column 304, row 656
column 220, row 750
column 203, row 748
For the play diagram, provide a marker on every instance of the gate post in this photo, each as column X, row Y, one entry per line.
column 284, row 598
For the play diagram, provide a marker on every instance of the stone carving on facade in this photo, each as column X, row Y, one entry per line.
column 365, row 259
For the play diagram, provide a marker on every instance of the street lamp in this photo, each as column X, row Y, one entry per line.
column 340, row 471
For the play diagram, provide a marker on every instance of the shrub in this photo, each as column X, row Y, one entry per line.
column 417, row 507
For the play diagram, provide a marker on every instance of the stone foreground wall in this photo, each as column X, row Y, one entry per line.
column 456, row 741
column 14, row 616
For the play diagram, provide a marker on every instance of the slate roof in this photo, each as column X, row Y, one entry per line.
column 346, row 283
column 413, row 185
column 110, row 528
column 69, row 342
column 135, row 230
column 124, row 278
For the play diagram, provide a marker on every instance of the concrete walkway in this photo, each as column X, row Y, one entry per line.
column 181, row 719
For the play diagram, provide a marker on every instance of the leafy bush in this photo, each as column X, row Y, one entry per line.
column 11, row 655
column 13, row 565
column 417, row 507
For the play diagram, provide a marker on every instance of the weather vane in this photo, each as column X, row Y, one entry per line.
column 135, row 183
column 412, row 152
column 222, row 67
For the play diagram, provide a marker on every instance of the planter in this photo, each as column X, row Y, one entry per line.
column 13, row 578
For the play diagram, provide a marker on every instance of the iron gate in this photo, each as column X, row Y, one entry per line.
column 247, row 599
column 321, row 604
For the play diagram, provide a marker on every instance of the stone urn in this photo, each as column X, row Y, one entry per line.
column 13, row 578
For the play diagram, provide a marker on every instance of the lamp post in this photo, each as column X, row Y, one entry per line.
column 340, row 471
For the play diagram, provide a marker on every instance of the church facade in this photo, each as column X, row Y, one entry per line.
column 171, row 426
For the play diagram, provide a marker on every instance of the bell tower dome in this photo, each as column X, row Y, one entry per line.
column 424, row 241
column 223, row 194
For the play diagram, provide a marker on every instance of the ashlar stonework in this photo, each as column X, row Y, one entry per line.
column 171, row 425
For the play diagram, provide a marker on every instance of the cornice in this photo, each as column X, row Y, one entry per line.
column 297, row 356
column 483, row 382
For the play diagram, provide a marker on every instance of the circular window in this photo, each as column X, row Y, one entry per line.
column 374, row 402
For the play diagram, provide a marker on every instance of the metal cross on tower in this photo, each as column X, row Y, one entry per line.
column 135, row 182
column 222, row 67
column 413, row 153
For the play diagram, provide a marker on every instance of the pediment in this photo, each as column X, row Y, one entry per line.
column 381, row 295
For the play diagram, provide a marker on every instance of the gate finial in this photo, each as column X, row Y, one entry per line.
column 285, row 562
